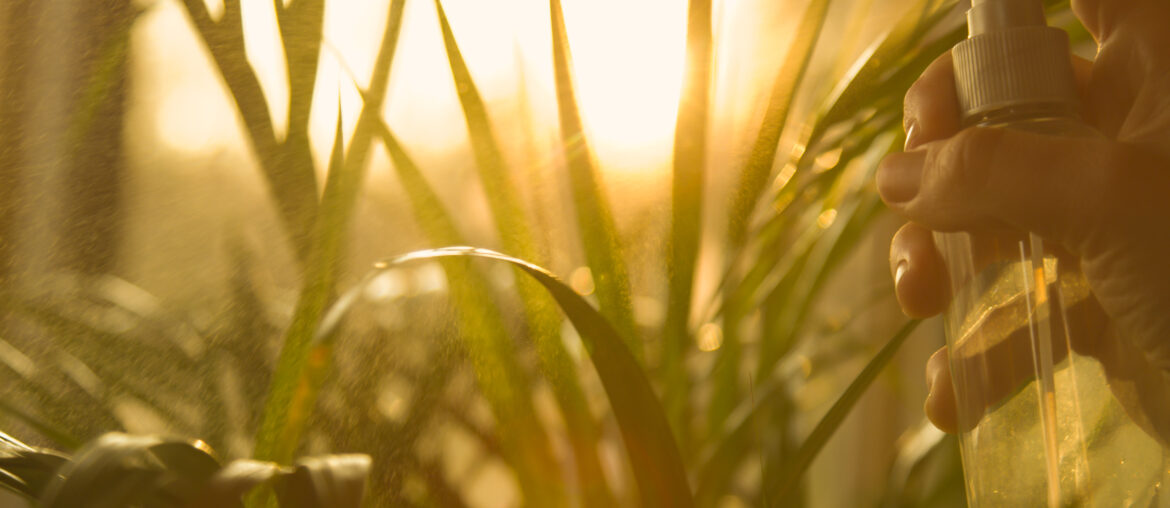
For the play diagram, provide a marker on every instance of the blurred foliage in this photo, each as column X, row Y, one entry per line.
column 491, row 370
column 123, row 470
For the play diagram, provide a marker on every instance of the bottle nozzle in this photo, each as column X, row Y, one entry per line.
column 988, row 16
column 1012, row 58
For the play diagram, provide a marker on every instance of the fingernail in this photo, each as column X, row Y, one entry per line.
column 899, row 175
column 911, row 137
column 900, row 271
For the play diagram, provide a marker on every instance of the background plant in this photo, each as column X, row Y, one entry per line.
column 696, row 426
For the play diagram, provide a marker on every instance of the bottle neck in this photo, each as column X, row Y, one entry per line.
column 1024, row 113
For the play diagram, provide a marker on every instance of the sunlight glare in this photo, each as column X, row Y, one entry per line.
column 185, row 116
column 628, row 62
column 185, row 124
column 214, row 8
column 582, row 281
column 710, row 337
column 266, row 56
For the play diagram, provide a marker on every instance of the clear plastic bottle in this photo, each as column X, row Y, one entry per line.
column 1039, row 424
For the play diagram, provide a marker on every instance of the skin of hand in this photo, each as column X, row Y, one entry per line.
column 1106, row 201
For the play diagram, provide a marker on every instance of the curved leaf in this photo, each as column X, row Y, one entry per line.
column 26, row 470
column 334, row 481
column 437, row 224
column 114, row 470
column 229, row 484
column 652, row 451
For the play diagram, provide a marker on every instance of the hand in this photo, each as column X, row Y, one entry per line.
column 1106, row 201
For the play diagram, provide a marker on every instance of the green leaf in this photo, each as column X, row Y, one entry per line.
column 26, row 470
column 890, row 65
column 484, row 329
column 516, row 238
column 753, row 179
column 114, row 470
column 289, row 174
column 502, row 195
column 794, row 469
column 300, row 33
column 603, row 249
column 653, row 453
column 739, row 437
column 690, row 157
column 334, row 481
column 292, row 394
column 440, row 228
column 283, row 421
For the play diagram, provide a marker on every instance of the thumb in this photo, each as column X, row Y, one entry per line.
column 987, row 177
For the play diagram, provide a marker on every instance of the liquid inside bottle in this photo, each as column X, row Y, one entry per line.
column 1039, row 422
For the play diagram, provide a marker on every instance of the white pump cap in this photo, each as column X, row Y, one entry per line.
column 1012, row 58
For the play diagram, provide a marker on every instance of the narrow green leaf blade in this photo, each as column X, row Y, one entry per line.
column 290, row 176
column 603, row 249
column 690, row 155
column 290, row 398
column 753, row 179
column 794, row 470
column 516, row 237
column 502, row 196
column 301, row 26
column 279, row 434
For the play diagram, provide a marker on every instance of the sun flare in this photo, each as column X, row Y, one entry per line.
column 628, row 61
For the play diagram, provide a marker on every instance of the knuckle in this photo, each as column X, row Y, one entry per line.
column 964, row 164
column 1132, row 181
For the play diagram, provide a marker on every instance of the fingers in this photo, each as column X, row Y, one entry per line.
column 940, row 407
column 993, row 177
column 1102, row 17
column 920, row 278
column 931, row 107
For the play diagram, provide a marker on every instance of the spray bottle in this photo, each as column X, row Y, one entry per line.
column 1038, row 422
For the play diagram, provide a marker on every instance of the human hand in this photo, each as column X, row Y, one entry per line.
column 1106, row 201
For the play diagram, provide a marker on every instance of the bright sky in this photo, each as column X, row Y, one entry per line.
column 628, row 59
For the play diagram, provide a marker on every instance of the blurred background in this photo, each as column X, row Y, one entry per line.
column 133, row 200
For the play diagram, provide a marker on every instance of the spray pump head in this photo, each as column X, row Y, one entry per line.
column 1012, row 58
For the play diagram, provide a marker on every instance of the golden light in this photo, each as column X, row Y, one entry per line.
column 829, row 159
column 628, row 60
column 827, row 218
column 183, row 122
column 785, row 175
column 176, row 103
column 710, row 337
column 582, row 281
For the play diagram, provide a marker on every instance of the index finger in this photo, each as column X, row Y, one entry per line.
column 931, row 107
